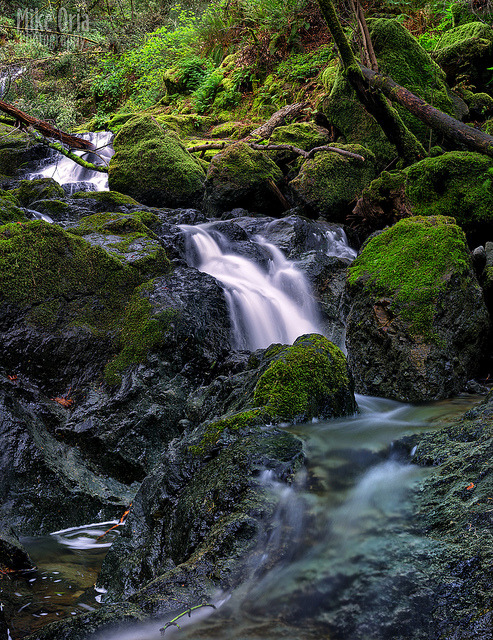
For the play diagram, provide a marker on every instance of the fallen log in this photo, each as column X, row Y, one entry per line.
column 449, row 127
column 23, row 121
column 278, row 119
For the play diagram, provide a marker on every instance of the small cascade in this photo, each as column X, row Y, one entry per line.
column 72, row 176
column 7, row 76
column 336, row 244
column 265, row 305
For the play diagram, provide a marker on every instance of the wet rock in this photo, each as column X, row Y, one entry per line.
column 13, row 556
column 453, row 507
column 14, row 159
column 418, row 322
column 195, row 520
column 168, row 176
column 61, row 301
column 44, row 483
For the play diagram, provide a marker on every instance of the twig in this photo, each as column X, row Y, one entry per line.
column 173, row 623
column 279, row 147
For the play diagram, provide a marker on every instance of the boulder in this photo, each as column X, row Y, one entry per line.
column 45, row 484
column 28, row 191
column 13, row 556
column 61, row 302
column 151, row 165
column 328, row 183
column 458, row 183
column 242, row 177
column 465, row 53
column 418, row 321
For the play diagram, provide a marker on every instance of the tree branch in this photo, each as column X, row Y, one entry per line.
column 69, row 154
column 278, row 147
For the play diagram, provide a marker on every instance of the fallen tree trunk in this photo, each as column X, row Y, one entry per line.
column 277, row 120
column 69, row 154
column 449, row 127
column 24, row 120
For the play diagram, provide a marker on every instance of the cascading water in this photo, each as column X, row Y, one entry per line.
column 74, row 177
column 265, row 305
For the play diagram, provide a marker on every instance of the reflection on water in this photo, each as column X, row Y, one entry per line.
column 68, row 563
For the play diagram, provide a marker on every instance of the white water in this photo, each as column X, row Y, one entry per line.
column 265, row 306
column 74, row 177
column 8, row 76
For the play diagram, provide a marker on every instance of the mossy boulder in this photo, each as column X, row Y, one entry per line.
column 465, row 53
column 151, row 165
column 454, row 183
column 418, row 321
column 127, row 237
column 401, row 57
column 29, row 191
column 309, row 379
column 61, row 301
column 234, row 130
column 242, row 177
column 99, row 201
column 329, row 183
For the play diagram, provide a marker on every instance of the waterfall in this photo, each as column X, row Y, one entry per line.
column 265, row 305
column 72, row 176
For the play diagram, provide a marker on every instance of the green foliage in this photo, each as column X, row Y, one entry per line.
column 411, row 262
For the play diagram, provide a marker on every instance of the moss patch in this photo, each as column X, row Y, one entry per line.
column 44, row 268
column 454, row 182
column 141, row 332
column 305, row 381
column 9, row 212
column 107, row 199
column 411, row 262
column 29, row 191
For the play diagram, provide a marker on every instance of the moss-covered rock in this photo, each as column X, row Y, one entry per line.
column 104, row 200
column 233, row 130
column 355, row 126
column 454, row 183
column 418, row 321
column 401, row 57
column 58, row 295
column 29, row 191
column 329, row 183
column 480, row 105
column 152, row 165
column 308, row 380
column 9, row 212
column 465, row 53
column 242, row 177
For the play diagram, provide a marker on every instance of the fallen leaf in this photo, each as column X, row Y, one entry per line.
column 470, row 486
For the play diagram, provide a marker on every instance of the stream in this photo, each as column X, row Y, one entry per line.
column 344, row 526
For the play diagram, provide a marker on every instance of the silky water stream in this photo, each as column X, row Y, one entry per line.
column 340, row 526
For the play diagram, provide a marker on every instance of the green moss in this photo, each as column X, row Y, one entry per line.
column 9, row 212
column 29, row 191
column 234, row 130
column 119, row 223
column 411, row 263
column 456, row 36
column 152, row 165
column 108, row 199
column 452, row 183
column 304, row 381
column 346, row 113
column 304, row 135
column 141, row 332
column 328, row 183
column 235, row 422
column 41, row 266
column 401, row 56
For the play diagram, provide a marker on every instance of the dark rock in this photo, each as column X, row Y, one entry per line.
column 44, row 483
column 13, row 556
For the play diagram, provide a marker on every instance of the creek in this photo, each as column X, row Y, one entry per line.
column 345, row 525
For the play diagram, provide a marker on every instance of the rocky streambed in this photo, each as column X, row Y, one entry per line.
column 132, row 379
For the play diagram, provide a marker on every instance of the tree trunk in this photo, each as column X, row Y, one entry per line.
column 408, row 147
column 23, row 121
column 442, row 123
